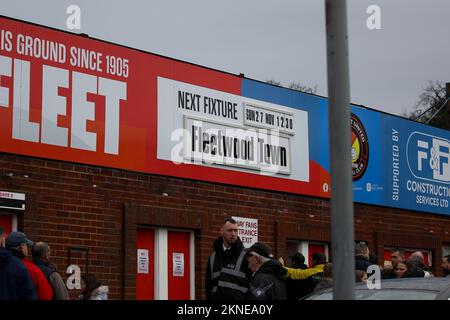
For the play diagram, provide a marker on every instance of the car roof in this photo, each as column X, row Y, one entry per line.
column 435, row 284
column 439, row 285
column 431, row 284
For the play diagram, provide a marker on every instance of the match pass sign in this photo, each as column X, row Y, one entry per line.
column 12, row 200
column 248, row 230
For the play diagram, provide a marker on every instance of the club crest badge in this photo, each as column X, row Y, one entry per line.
column 360, row 148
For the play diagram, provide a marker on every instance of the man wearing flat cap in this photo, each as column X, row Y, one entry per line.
column 17, row 243
column 268, row 280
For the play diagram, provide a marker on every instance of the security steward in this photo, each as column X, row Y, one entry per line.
column 227, row 270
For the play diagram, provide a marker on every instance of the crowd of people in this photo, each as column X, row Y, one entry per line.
column 232, row 272
column 236, row 273
column 34, row 277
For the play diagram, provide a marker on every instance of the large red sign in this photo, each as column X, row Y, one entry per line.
column 76, row 99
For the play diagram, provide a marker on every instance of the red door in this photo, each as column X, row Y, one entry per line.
column 145, row 276
column 314, row 247
column 178, row 265
column 6, row 223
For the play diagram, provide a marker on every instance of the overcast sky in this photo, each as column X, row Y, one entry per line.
column 278, row 39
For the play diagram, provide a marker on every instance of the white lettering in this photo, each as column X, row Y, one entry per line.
column 421, row 155
column 114, row 91
column 5, row 70
column 82, row 110
column 23, row 128
column 54, row 105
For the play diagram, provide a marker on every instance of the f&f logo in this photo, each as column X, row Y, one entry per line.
column 429, row 157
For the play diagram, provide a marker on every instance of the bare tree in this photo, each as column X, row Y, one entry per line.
column 430, row 107
column 295, row 86
column 274, row 82
column 299, row 87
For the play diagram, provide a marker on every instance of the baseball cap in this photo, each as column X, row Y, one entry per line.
column 15, row 239
column 260, row 249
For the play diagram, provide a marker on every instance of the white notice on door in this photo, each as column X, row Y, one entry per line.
column 142, row 257
column 178, row 264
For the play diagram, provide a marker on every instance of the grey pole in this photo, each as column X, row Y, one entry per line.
column 342, row 232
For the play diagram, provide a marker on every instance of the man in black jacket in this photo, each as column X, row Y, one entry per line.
column 15, row 280
column 227, row 272
column 295, row 289
column 362, row 257
column 269, row 276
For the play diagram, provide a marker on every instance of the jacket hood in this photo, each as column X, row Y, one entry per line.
column 218, row 245
column 5, row 255
column 101, row 293
column 41, row 262
column 273, row 267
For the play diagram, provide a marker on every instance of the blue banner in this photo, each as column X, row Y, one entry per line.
column 407, row 163
column 418, row 168
column 395, row 162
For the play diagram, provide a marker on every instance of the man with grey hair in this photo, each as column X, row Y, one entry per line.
column 41, row 258
column 269, row 276
column 418, row 260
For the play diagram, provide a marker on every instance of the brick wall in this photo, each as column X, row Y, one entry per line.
column 98, row 210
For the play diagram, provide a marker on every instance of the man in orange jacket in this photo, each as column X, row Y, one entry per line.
column 17, row 243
